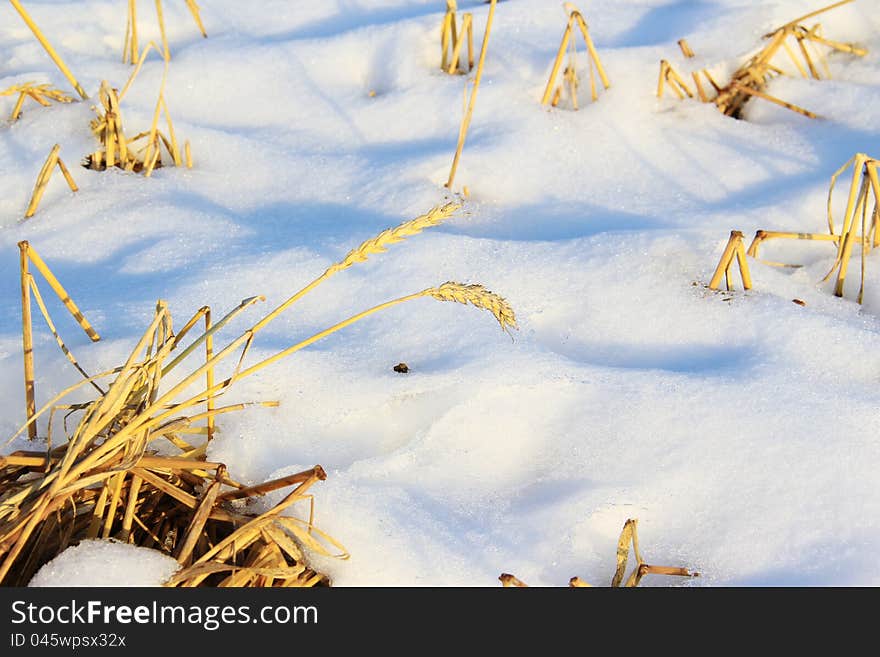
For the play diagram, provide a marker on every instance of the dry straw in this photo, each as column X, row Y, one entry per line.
column 452, row 39
column 43, row 179
column 40, row 93
column 628, row 537
column 733, row 249
column 28, row 256
column 48, row 47
column 133, row 468
column 553, row 93
column 130, row 51
column 801, row 46
column 859, row 225
column 466, row 120
column 117, row 150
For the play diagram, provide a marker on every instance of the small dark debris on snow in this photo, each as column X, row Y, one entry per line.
column 402, row 368
column 799, row 302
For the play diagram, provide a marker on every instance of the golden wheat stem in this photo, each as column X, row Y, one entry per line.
column 62, row 293
column 858, row 162
column 45, row 311
column 462, row 133
column 685, row 48
column 563, row 46
column 194, row 10
column 661, row 79
column 137, row 69
column 132, row 11
column 811, row 14
column 128, row 517
column 473, row 294
column 726, row 259
column 16, row 111
column 246, row 303
column 161, row 19
column 848, row 237
column 871, row 168
column 760, row 94
column 49, row 49
column 593, row 54
column 42, row 181
column 209, row 375
column 27, row 341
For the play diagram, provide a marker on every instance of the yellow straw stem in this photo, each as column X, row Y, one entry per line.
column 444, row 40
column 726, row 258
column 685, row 48
column 132, row 11
column 467, row 117
column 743, row 265
column 661, row 79
column 593, row 54
column 62, row 294
column 161, row 19
column 27, row 340
column 810, row 15
column 42, row 181
column 49, row 49
column 16, row 111
column 760, row 94
column 554, row 71
column 209, row 375
column 194, row 10
column 329, row 331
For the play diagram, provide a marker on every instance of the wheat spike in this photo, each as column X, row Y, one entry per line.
column 388, row 236
column 478, row 296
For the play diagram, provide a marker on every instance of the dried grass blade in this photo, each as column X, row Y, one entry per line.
column 200, row 517
column 62, row 294
column 194, row 10
column 64, row 349
column 42, row 181
column 49, row 49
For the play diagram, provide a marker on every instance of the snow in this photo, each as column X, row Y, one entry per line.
column 739, row 428
column 106, row 563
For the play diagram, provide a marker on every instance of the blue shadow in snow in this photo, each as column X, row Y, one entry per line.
column 354, row 16
column 556, row 222
column 707, row 359
column 666, row 24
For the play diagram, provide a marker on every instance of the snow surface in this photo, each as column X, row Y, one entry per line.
column 741, row 429
column 106, row 563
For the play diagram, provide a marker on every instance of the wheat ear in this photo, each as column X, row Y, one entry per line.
column 378, row 244
column 478, row 296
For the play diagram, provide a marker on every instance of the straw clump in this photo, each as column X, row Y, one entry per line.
column 804, row 47
column 117, row 150
column 134, row 467
column 39, row 93
column 860, row 224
